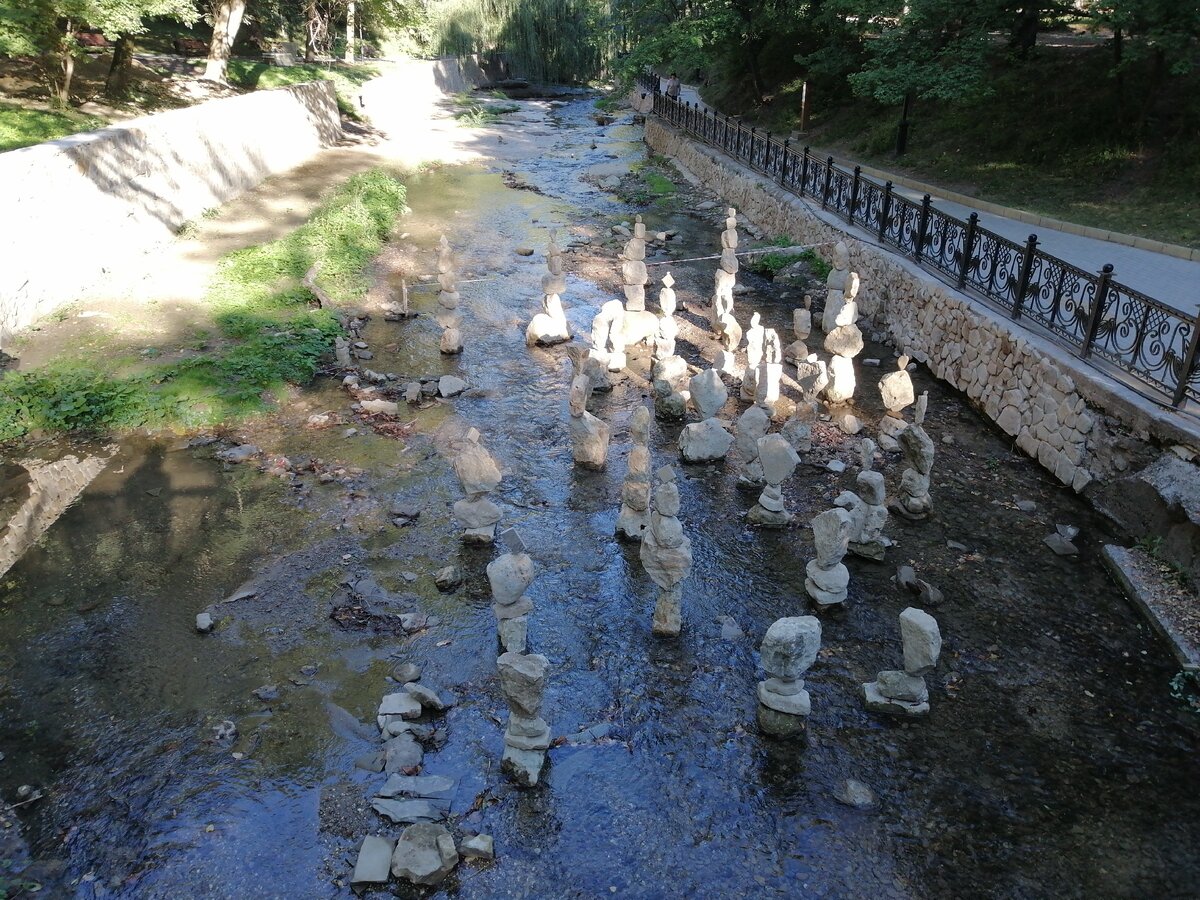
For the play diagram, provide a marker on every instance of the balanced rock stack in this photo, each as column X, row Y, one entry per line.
column 448, row 316
column 917, row 446
column 527, row 737
column 770, row 372
column 667, row 554
column 801, row 328
column 479, row 475
column 633, row 270
column 778, row 460
column 756, row 337
column 668, row 328
column 828, row 577
column 635, row 492
column 788, row 650
column 726, row 275
column 550, row 325
column 509, row 576
column 751, row 426
column 841, row 307
column 845, row 342
column 867, row 509
column 589, row 435
column 905, row 693
column 706, row 440
column 798, row 428
column 896, row 389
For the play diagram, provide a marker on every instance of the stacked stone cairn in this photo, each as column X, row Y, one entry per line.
column 448, row 316
column 527, row 737
column 842, row 289
column 915, row 502
column 752, row 425
column 479, row 475
column 668, row 328
column 550, row 325
column 778, row 460
column 828, row 577
column 896, row 389
column 726, row 275
column 668, row 372
column 633, row 269
column 756, row 337
column 801, row 328
column 867, row 508
column 509, row 576
column 667, row 554
column 788, row 650
column 589, row 435
column 770, row 372
column 905, row 693
column 706, row 440
column 635, row 492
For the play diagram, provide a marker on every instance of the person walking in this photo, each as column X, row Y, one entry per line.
column 673, row 86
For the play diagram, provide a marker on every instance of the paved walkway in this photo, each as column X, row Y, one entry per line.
column 1168, row 279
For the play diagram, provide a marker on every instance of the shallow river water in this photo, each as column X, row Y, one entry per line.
column 1054, row 762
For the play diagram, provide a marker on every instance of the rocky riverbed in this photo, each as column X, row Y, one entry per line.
column 1054, row 761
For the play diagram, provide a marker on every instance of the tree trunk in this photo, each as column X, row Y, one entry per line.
column 350, row 31
column 1025, row 31
column 120, row 73
column 312, row 26
column 226, row 22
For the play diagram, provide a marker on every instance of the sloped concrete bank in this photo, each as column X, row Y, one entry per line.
column 1079, row 424
column 78, row 208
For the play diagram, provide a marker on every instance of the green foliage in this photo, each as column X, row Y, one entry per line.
column 771, row 264
column 272, row 334
column 474, row 113
column 20, row 127
column 565, row 41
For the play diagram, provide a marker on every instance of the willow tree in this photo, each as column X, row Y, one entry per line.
column 545, row 40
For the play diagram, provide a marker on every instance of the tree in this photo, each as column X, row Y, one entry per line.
column 227, row 19
column 47, row 28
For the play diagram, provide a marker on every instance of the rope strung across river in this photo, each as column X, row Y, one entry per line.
column 797, row 248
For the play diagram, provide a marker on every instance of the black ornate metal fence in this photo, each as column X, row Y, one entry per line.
column 1094, row 316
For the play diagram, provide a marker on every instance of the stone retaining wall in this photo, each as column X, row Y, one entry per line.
column 1076, row 422
column 77, row 208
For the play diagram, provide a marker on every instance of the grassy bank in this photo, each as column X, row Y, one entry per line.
column 1057, row 137
column 22, row 127
column 272, row 333
column 347, row 79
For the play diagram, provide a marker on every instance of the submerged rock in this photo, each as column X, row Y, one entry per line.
column 425, row 854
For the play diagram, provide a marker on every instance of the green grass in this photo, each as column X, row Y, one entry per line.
column 20, row 127
column 475, row 114
column 771, row 264
column 272, row 334
column 346, row 78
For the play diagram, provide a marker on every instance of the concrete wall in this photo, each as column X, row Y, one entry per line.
column 77, row 208
column 1076, row 422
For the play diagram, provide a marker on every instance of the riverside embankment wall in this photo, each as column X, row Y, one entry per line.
column 75, row 209
column 1086, row 428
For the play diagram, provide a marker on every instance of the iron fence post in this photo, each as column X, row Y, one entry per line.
column 750, row 149
column 1099, row 301
column 783, row 161
column 964, row 268
column 885, row 210
column 922, row 227
column 854, row 192
column 803, row 171
column 1023, row 279
column 737, row 140
column 767, row 154
column 828, row 178
column 1188, row 364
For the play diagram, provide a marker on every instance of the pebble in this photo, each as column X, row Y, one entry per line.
column 481, row 846
column 871, row 362
column 855, row 793
column 524, row 251
column 406, row 672
column 1060, row 544
column 835, row 465
column 267, row 693
column 1026, row 506
column 204, row 623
